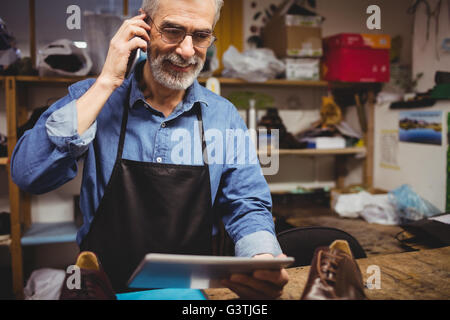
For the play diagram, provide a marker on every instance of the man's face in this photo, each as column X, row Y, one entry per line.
column 176, row 66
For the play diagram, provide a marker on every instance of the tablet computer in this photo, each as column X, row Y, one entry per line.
column 196, row 272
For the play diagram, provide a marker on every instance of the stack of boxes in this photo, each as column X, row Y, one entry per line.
column 295, row 35
column 297, row 39
column 352, row 57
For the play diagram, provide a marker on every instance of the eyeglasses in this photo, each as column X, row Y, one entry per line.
column 172, row 35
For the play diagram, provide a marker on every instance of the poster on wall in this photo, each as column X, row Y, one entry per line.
column 421, row 127
column 389, row 149
column 447, row 204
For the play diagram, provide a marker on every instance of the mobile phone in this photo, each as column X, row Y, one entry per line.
column 131, row 61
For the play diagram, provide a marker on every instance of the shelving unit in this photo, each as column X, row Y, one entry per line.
column 229, row 31
column 316, row 152
column 23, row 232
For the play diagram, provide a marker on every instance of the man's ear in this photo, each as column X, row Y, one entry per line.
column 141, row 11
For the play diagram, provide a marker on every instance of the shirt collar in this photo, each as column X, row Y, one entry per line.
column 193, row 94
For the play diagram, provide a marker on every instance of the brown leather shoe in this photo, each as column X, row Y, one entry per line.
column 334, row 275
column 94, row 283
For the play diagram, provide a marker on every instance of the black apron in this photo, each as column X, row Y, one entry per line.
column 150, row 208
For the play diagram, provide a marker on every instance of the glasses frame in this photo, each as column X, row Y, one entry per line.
column 213, row 37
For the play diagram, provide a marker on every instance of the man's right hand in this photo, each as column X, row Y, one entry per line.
column 130, row 36
column 133, row 34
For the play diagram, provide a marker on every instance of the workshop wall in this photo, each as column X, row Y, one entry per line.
column 431, row 44
column 423, row 166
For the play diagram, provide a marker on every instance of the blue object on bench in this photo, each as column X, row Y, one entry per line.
column 43, row 233
column 163, row 294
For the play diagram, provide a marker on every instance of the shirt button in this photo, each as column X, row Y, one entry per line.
column 163, row 124
column 159, row 159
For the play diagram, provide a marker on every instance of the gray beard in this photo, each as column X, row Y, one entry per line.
column 173, row 79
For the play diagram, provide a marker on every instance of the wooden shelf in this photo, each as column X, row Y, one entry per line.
column 274, row 82
column 224, row 81
column 5, row 242
column 314, row 152
column 3, row 161
column 54, row 80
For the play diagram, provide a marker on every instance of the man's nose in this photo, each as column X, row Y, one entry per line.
column 186, row 48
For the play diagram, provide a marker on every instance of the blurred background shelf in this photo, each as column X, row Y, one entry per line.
column 312, row 152
column 224, row 81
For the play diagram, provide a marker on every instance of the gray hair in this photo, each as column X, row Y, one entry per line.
column 151, row 6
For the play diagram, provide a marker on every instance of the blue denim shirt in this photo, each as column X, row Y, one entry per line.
column 47, row 156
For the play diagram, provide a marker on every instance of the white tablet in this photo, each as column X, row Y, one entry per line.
column 196, row 272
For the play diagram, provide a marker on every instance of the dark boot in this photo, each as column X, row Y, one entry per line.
column 95, row 284
column 334, row 275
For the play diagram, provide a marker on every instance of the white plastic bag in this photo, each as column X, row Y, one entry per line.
column 380, row 210
column 44, row 284
column 350, row 205
column 62, row 57
column 374, row 208
column 255, row 65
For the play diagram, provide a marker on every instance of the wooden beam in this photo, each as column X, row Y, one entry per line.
column 25, row 198
column 369, row 140
column 340, row 171
column 14, row 192
column 32, row 23
column 125, row 8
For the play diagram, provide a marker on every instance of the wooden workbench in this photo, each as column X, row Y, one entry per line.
column 423, row 274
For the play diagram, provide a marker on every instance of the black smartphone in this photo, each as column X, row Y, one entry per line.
column 131, row 61
column 134, row 57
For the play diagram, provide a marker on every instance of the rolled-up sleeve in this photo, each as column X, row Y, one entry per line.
column 46, row 156
column 62, row 130
column 257, row 243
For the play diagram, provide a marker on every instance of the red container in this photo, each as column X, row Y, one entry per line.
column 351, row 57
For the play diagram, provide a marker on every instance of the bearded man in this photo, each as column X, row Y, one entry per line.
column 137, row 196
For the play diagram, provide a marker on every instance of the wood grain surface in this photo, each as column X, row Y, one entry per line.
column 423, row 275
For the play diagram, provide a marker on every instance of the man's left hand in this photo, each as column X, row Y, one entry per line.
column 262, row 284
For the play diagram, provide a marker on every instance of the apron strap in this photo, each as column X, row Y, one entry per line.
column 202, row 130
column 123, row 128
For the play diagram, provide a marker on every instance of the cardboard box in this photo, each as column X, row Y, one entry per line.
column 291, row 35
column 352, row 57
column 302, row 69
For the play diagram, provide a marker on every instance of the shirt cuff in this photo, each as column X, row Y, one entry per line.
column 257, row 243
column 62, row 130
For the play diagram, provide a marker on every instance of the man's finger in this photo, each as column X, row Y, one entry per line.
column 135, row 31
column 137, row 43
column 139, row 16
column 142, row 24
column 266, row 288
column 277, row 277
column 243, row 291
